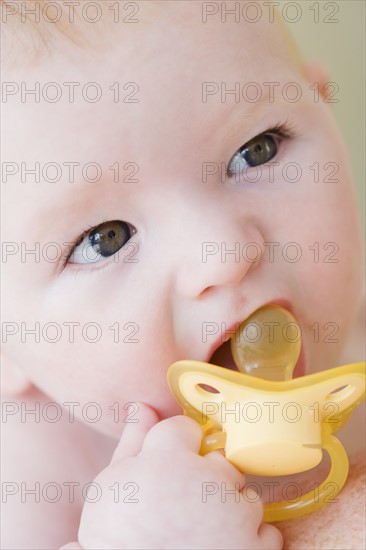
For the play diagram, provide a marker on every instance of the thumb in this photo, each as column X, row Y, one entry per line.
column 140, row 419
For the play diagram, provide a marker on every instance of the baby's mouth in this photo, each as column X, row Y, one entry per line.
column 266, row 344
column 223, row 357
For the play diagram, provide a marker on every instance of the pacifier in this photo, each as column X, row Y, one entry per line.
column 267, row 423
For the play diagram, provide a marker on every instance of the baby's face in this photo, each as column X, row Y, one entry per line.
column 174, row 212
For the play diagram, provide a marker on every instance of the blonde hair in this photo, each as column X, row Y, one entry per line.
column 36, row 25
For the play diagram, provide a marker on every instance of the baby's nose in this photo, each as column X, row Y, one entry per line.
column 218, row 251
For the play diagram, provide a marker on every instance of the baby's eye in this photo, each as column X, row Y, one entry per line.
column 258, row 150
column 101, row 242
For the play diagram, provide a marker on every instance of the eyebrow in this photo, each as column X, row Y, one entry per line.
column 240, row 118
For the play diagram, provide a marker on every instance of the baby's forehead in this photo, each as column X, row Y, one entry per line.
column 170, row 31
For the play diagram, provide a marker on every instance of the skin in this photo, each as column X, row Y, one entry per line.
column 169, row 292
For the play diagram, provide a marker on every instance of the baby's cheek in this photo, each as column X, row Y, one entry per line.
column 335, row 245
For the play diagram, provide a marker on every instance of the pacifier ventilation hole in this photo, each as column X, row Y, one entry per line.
column 340, row 393
column 339, row 389
column 207, row 388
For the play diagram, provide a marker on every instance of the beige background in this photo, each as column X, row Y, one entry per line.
column 342, row 47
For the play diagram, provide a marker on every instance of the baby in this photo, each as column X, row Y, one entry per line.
column 169, row 168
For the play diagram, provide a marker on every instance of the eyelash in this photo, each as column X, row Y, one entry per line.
column 283, row 129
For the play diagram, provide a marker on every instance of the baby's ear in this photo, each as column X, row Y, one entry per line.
column 317, row 71
column 13, row 381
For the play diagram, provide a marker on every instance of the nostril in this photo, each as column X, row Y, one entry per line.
column 207, row 291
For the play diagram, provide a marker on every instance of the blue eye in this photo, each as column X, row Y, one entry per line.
column 255, row 152
column 101, row 242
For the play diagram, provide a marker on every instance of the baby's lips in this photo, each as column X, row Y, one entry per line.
column 300, row 368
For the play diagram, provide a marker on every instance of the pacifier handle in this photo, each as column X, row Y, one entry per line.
column 310, row 501
column 213, row 442
column 317, row 497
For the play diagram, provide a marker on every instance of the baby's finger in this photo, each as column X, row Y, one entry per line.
column 134, row 433
column 229, row 472
column 172, row 434
column 270, row 536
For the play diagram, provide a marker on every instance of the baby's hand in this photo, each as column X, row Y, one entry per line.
column 158, row 493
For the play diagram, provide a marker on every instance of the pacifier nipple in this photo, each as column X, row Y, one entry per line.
column 267, row 344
